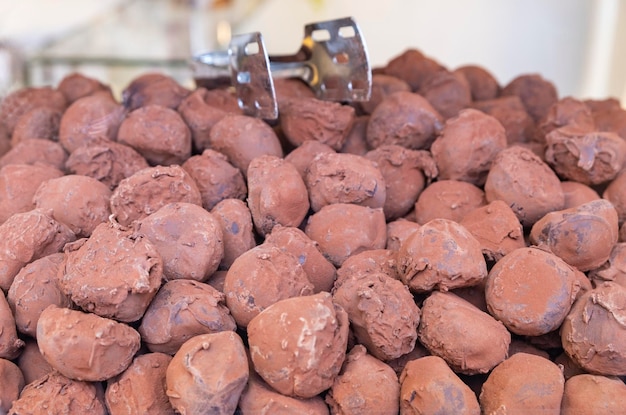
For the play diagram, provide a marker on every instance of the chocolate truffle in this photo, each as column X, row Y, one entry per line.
column 57, row 394
column 615, row 193
column 586, row 157
column 319, row 271
column 36, row 151
column 382, row 313
column 242, row 138
column 208, row 374
column 10, row 344
column 277, row 194
column 312, row 119
column 467, row 146
column 153, row 89
column 157, row 133
column 235, row 220
column 181, row 310
column 447, row 92
column 40, row 122
column 150, row 189
column 372, row 261
column 344, row 229
column 34, row 288
column 429, row 386
column 496, row 228
column 567, row 111
column 614, row 269
column 382, row 86
column 200, row 117
column 188, row 238
column 523, row 384
column 302, row 156
column 593, row 332
column 528, row 305
column 215, row 177
column 399, row 231
column 115, row 273
column 23, row 100
column 448, row 199
column 287, row 88
column 76, row 85
column 364, row 385
column 11, row 384
column 80, row 202
column 258, row 398
column 298, row 345
column 577, row 193
column 527, row 184
column 106, row 161
column 441, row 255
column 28, row 236
column 582, row 236
column 536, row 93
column 345, row 178
column 260, row 277
column 140, row 389
column 412, row 67
column 483, row 85
column 93, row 116
column 406, row 119
column 468, row 339
column 32, row 363
column 406, row 173
column 519, row 126
column 570, row 368
column 84, row 346
column 18, row 184
column 590, row 394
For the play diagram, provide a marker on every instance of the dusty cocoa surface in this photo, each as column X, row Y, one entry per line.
column 200, row 116
column 36, row 151
column 536, row 93
column 153, row 89
column 448, row 92
column 22, row 101
column 40, row 122
column 591, row 394
column 12, row 383
column 577, row 194
column 448, row 199
column 10, row 344
column 235, row 220
column 483, row 85
column 31, row 363
column 383, row 86
column 77, row 85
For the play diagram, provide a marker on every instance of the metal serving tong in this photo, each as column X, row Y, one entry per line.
column 333, row 61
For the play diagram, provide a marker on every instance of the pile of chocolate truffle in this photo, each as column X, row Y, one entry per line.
column 452, row 246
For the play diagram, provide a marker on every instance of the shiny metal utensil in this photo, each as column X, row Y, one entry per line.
column 333, row 61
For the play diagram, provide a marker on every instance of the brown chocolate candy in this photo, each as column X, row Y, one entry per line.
column 509, row 110
column 536, row 93
column 448, row 92
column 200, row 116
column 302, row 156
column 412, row 67
column 567, row 111
column 11, row 384
column 577, row 193
column 40, row 122
column 75, row 86
column 591, row 394
column 32, row 363
column 36, row 151
column 399, row 231
column 615, row 193
column 448, row 199
column 383, row 86
column 483, row 85
column 10, row 344
column 23, row 100
column 614, row 269
column 153, row 89
column 237, row 230
column 371, row 261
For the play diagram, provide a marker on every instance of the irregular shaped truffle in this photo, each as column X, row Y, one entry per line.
column 115, row 273
column 345, row 178
column 593, row 333
column 215, row 177
column 441, row 255
column 448, row 199
column 429, row 386
column 525, row 304
column 536, row 93
column 496, row 228
column 157, row 133
column 150, row 189
column 36, row 151
column 302, row 156
column 524, row 182
column 467, row 146
column 140, row 389
column 319, row 271
column 483, row 85
column 582, row 236
column 406, row 119
column 76, row 85
column 343, row 229
column 298, row 345
column 615, row 193
column 356, row 141
column 188, row 238
column 577, row 193
column 57, row 394
column 590, row 394
column 413, row 67
column 11, row 384
column 237, row 230
column 372, row 261
column 84, row 346
column 382, row 313
column 399, row 231
column 28, row 236
column 153, row 89
column 277, row 194
column 364, row 385
column 10, row 344
column 242, row 138
column 406, row 173
column 304, row 119
column 448, row 92
column 382, row 86
column 32, row 363
column 34, row 288
column 208, row 374
column 524, row 384
column 509, row 110
column 106, row 161
column 567, row 111
column 200, row 116
column 80, row 202
column 181, row 310
column 23, row 100
column 40, row 122
column 614, row 269
column 468, row 339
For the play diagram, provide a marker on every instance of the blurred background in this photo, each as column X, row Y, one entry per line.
column 580, row 45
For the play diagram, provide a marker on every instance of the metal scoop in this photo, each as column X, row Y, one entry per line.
column 333, row 61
